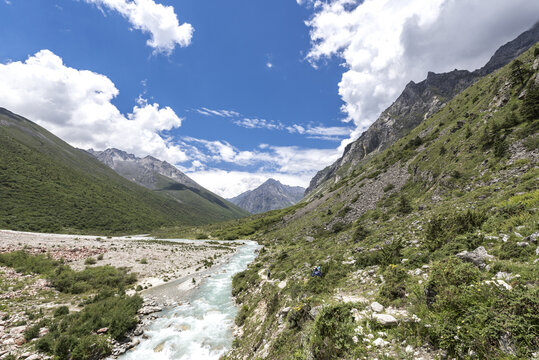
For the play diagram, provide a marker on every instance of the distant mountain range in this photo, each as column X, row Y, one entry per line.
column 271, row 195
column 48, row 185
column 167, row 180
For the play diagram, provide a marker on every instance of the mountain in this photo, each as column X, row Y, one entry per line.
column 271, row 195
column 428, row 248
column 166, row 179
column 416, row 103
column 48, row 185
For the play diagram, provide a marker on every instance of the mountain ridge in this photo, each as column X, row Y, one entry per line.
column 165, row 178
column 271, row 195
column 417, row 102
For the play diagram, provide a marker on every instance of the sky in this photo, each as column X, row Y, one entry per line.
column 234, row 92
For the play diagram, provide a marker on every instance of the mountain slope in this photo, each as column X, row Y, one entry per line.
column 47, row 185
column 416, row 103
column 166, row 179
column 428, row 249
column 271, row 195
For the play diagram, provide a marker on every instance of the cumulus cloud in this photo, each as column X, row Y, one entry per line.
column 232, row 183
column 387, row 43
column 76, row 106
column 160, row 21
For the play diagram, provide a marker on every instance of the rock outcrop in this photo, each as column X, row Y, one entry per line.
column 417, row 102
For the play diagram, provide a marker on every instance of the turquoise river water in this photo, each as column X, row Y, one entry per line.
column 201, row 329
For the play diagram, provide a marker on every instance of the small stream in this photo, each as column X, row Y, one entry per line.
column 202, row 328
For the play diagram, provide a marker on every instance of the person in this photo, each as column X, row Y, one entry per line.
column 269, row 274
column 317, row 271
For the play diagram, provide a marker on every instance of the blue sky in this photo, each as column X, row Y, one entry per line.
column 231, row 92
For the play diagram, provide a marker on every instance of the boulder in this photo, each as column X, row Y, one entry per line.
column 379, row 342
column 476, row 257
column 384, row 319
column 377, row 307
column 102, row 330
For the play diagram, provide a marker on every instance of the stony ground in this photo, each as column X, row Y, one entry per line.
column 24, row 299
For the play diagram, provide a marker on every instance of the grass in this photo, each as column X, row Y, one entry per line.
column 49, row 186
column 475, row 192
column 72, row 335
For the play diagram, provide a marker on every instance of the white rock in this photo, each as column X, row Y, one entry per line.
column 409, row 349
column 384, row 319
column 380, row 342
column 377, row 307
column 282, row 285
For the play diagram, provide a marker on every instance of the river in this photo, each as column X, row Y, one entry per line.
column 201, row 328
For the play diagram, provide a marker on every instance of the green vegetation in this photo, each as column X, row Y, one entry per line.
column 49, row 186
column 471, row 182
column 73, row 335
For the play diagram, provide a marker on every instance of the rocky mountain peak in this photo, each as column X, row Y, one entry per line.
column 417, row 102
column 270, row 195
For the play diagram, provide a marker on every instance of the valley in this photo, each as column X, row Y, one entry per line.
column 419, row 240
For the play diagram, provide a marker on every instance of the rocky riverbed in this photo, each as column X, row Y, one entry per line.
column 167, row 271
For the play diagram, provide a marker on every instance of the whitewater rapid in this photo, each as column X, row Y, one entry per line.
column 202, row 328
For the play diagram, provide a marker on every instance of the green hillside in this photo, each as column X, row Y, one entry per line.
column 47, row 185
column 200, row 201
column 465, row 181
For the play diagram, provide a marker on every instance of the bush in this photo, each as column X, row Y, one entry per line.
column 242, row 315
column 360, row 233
column 100, row 257
column 144, row 261
column 32, row 332
column 510, row 250
column 404, row 206
column 443, row 227
column 332, row 332
column 389, row 187
column 530, row 105
column 469, row 316
column 61, row 311
column 90, row 261
column 394, row 286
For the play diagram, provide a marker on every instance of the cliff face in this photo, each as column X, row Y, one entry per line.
column 415, row 104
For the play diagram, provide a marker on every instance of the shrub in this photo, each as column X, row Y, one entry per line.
column 360, row 233
column 389, row 187
column 298, row 315
column 61, row 311
column 404, row 206
column 394, row 286
column 510, row 250
column 100, row 257
column 443, row 227
column 90, row 261
column 332, row 332
column 32, row 332
column 242, row 315
column 144, row 261
column 530, row 105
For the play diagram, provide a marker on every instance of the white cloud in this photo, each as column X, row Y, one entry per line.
column 232, row 183
column 160, row 21
column 256, row 123
column 320, row 130
column 76, row 106
column 269, row 65
column 387, row 43
column 221, row 113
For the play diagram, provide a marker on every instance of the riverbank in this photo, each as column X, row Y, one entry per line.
column 200, row 326
column 165, row 271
